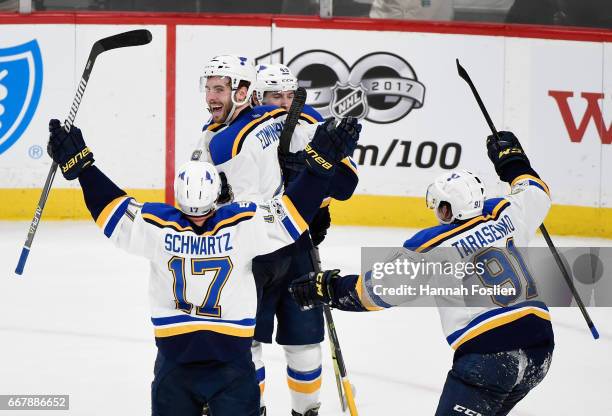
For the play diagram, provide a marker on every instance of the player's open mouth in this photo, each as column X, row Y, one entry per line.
column 216, row 110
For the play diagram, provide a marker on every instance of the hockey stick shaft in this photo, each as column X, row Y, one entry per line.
column 121, row 40
column 299, row 99
column 463, row 74
column 345, row 389
column 569, row 282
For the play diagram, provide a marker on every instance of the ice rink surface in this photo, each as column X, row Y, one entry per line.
column 77, row 323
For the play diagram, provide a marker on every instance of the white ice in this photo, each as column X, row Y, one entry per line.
column 77, row 323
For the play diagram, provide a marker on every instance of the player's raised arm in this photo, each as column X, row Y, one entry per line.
column 303, row 197
column 529, row 193
column 111, row 208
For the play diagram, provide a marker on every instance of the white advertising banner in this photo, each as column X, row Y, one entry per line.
column 420, row 118
column 122, row 114
column 566, row 153
column 606, row 149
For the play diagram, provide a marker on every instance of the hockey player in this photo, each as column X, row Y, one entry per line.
column 275, row 85
column 252, row 171
column 502, row 350
column 300, row 333
column 202, row 292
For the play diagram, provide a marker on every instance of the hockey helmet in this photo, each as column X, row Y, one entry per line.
column 237, row 69
column 463, row 191
column 196, row 188
column 273, row 78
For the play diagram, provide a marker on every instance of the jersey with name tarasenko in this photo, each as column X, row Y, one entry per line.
column 202, row 292
column 491, row 239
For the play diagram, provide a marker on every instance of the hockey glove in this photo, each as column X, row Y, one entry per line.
column 331, row 144
column 226, row 195
column 313, row 289
column 68, row 150
column 319, row 225
column 291, row 164
column 505, row 150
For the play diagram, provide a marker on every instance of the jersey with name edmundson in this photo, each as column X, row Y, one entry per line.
column 507, row 223
column 202, row 293
column 246, row 150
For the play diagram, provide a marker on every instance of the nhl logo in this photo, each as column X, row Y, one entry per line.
column 349, row 101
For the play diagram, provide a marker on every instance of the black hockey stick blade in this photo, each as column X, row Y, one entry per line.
column 463, row 74
column 299, row 99
column 121, row 40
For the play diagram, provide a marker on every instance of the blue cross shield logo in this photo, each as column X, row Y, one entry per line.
column 21, row 76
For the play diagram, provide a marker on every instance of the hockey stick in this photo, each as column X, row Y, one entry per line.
column 345, row 389
column 463, row 74
column 299, row 99
column 121, row 40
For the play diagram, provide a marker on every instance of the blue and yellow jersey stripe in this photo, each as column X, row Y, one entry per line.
column 308, row 118
column 165, row 216
column 228, row 222
column 112, row 213
column 363, row 299
column 449, row 231
column 305, row 382
column 310, row 115
column 214, row 127
column 534, row 181
column 496, row 318
column 184, row 324
column 243, row 133
column 260, row 375
column 228, row 140
column 293, row 221
column 350, row 163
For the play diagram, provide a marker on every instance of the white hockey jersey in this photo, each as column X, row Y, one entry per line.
column 202, row 292
column 246, row 150
column 507, row 223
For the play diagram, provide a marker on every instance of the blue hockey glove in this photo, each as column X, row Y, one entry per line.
column 505, row 150
column 313, row 289
column 331, row 144
column 68, row 150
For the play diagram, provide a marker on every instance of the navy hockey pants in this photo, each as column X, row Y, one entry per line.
column 294, row 326
column 492, row 384
column 230, row 389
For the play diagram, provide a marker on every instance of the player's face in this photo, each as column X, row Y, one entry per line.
column 444, row 212
column 281, row 99
column 218, row 98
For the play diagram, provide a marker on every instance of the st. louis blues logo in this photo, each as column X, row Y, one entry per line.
column 21, row 76
column 349, row 100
